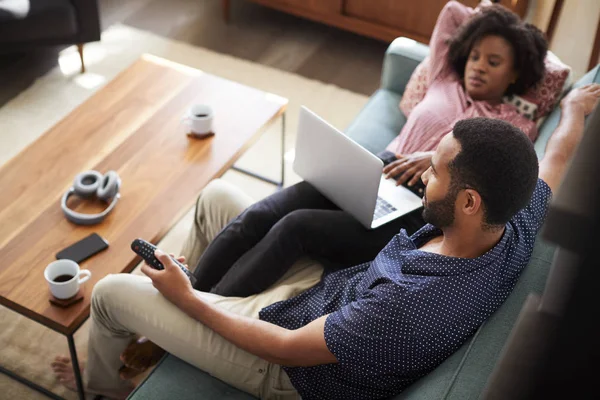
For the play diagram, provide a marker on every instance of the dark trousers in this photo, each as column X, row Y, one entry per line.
column 262, row 243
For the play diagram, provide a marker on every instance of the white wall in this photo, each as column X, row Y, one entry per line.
column 575, row 32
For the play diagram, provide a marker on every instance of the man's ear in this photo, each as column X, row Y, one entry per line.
column 472, row 202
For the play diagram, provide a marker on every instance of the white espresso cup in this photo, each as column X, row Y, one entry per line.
column 199, row 118
column 64, row 278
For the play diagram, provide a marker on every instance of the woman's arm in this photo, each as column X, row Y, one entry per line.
column 453, row 15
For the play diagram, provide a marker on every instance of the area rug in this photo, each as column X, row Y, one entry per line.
column 26, row 347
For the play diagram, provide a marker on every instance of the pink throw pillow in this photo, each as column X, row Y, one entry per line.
column 544, row 96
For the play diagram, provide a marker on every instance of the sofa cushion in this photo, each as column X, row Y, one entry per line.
column 175, row 379
column 46, row 20
column 378, row 123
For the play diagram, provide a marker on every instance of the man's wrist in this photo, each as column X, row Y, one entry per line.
column 187, row 301
column 572, row 107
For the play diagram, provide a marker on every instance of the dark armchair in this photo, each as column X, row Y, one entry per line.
column 49, row 22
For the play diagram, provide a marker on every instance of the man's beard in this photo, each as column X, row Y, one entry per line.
column 441, row 213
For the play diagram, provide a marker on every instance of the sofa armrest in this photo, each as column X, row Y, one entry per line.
column 401, row 58
column 88, row 20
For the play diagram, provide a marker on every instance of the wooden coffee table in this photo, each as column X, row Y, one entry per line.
column 132, row 126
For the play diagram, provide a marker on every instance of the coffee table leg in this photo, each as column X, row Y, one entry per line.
column 29, row 383
column 282, row 150
column 264, row 178
column 76, row 369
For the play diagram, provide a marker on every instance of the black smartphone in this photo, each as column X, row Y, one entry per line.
column 83, row 249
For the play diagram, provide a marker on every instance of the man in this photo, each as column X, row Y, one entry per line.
column 367, row 331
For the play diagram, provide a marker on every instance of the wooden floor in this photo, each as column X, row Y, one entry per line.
column 254, row 33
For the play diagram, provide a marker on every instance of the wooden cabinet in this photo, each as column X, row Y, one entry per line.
column 317, row 6
column 379, row 19
column 415, row 18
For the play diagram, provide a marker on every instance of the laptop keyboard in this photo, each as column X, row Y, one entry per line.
column 382, row 208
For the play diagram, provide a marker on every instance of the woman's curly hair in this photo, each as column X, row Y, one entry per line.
column 528, row 42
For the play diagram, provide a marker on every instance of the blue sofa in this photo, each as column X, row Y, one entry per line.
column 464, row 374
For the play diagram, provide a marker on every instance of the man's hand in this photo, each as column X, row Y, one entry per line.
column 563, row 142
column 584, row 98
column 171, row 282
column 408, row 167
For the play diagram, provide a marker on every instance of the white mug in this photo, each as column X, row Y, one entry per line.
column 199, row 118
column 63, row 288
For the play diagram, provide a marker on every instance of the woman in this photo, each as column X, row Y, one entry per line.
column 473, row 66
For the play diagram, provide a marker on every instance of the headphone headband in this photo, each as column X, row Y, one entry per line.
column 86, row 184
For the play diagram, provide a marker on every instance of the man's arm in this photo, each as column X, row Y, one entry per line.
column 563, row 142
column 302, row 347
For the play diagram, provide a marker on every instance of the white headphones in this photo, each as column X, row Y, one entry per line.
column 88, row 184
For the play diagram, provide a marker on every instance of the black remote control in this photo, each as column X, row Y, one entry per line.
column 146, row 251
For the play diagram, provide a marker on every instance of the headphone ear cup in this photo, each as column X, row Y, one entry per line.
column 87, row 183
column 109, row 186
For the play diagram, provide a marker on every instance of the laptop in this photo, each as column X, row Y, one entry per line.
column 348, row 174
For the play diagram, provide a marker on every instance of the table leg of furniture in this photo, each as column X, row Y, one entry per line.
column 262, row 177
column 30, row 384
column 76, row 370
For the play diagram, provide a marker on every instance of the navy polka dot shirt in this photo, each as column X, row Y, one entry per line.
column 396, row 318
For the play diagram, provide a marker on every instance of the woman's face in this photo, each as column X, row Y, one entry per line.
column 490, row 69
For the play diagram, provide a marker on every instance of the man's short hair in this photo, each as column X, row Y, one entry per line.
column 499, row 162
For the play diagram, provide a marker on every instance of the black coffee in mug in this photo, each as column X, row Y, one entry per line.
column 63, row 278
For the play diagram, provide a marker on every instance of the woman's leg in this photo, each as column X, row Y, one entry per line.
column 250, row 227
column 217, row 205
column 333, row 236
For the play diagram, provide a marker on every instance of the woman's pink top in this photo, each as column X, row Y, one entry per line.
column 446, row 101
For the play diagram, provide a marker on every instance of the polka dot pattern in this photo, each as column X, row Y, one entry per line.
column 394, row 319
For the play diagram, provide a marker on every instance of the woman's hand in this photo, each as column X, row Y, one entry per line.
column 484, row 3
column 408, row 167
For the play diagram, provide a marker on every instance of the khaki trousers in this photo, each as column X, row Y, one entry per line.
column 124, row 305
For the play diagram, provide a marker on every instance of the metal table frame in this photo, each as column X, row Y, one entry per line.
column 73, row 351
column 262, row 177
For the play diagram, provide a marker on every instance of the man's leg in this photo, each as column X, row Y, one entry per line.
column 123, row 305
column 249, row 228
